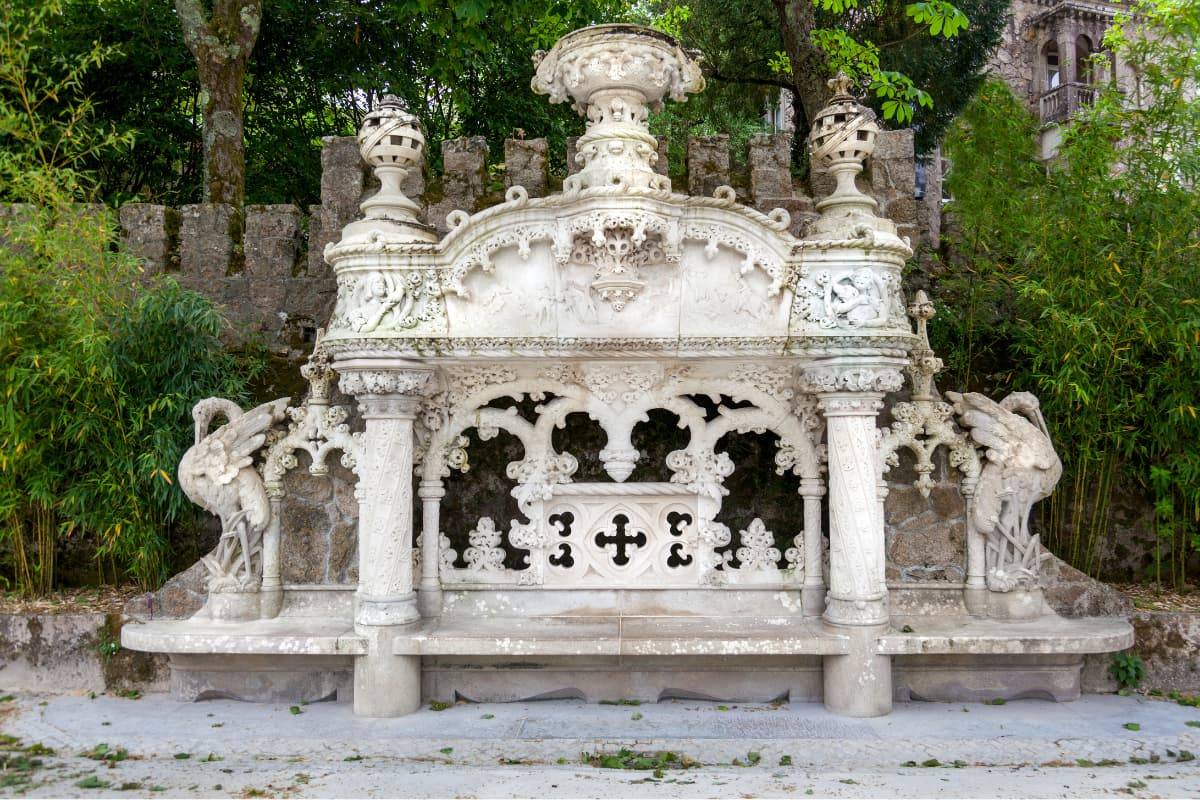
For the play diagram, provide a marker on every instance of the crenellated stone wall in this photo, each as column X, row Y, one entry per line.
column 265, row 264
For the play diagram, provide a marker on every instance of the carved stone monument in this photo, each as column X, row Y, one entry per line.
column 614, row 299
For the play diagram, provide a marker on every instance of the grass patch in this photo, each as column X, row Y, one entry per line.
column 92, row 782
column 438, row 705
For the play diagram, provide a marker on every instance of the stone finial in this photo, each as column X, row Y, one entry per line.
column 924, row 364
column 842, row 138
column 392, row 142
column 616, row 75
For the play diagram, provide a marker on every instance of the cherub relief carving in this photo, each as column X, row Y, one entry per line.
column 859, row 300
column 383, row 295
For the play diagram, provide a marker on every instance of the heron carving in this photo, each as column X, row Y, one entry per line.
column 1020, row 468
column 217, row 473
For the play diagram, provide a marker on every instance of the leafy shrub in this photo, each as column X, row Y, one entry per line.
column 1127, row 669
column 98, row 369
column 1076, row 279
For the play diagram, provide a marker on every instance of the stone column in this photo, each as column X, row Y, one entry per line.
column 812, row 594
column 859, row 683
column 429, row 597
column 975, row 592
column 271, row 601
column 388, row 393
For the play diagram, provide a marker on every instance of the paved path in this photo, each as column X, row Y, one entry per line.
column 1022, row 749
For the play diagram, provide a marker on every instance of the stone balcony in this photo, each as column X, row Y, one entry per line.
column 1064, row 101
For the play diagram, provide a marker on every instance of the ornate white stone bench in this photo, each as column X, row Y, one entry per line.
column 613, row 299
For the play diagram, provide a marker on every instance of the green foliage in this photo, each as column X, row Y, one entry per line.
column 99, row 370
column 923, row 61
column 1127, row 669
column 464, row 68
column 1076, row 279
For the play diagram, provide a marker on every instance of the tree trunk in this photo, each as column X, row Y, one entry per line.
column 810, row 70
column 221, row 43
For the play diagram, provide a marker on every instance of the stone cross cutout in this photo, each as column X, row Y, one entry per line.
column 620, row 540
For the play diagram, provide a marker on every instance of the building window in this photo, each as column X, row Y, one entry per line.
column 1083, row 61
column 1050, row 59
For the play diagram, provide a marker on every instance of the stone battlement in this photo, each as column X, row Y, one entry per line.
column 265, row 265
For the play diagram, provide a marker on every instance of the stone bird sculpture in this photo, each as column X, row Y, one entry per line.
column 1020, row 468
column 218, row 474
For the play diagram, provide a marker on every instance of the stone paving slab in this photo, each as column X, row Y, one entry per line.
column 1025, row 748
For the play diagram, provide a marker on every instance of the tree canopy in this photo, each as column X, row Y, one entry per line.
column 464, row 68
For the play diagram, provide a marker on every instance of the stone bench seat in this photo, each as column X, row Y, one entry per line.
column 1049, row 635
column 282, row 636
column 617, row 635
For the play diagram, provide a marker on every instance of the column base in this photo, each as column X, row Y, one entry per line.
column 387, row 611
column 429, row 601
column 385, row 685
column 975, row 598
column 856, row 612
column 233, row 606
column 1017, row 605
column 271, row 601
column 812, row 600
column 859, row 683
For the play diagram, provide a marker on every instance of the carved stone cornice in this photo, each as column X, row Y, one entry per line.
column 850, row 378
column 359, row 380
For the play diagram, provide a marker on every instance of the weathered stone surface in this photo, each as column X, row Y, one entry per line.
column 663, row 165
column 305, row 541
column 708, row 163
column 343, row 176
column 926, row 537
column 178, row 598
column 464, row 164
column 526, row 164
column 272, row 241
column 894, row 145
column 770, row 160
column 62, row 653
column 151, row 232
column 1073, row 594
column 572, row 151
column 209, row 234
column 903, row 210
column 799, row 207
column 1169, row 645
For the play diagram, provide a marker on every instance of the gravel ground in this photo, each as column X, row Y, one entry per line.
column 157, row 747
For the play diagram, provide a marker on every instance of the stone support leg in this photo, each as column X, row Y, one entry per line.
column 272, row 582
column 429, row 596
column 975, row 593
column 858, row 684
column 812, row 594
column 388, row 395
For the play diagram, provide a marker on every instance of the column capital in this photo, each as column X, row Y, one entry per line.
column 850, row 378
column 851, row 404
column 386, row 389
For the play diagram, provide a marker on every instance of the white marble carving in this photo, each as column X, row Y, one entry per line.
column 218, row 474
column 617, row 299
column 1021, row 468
